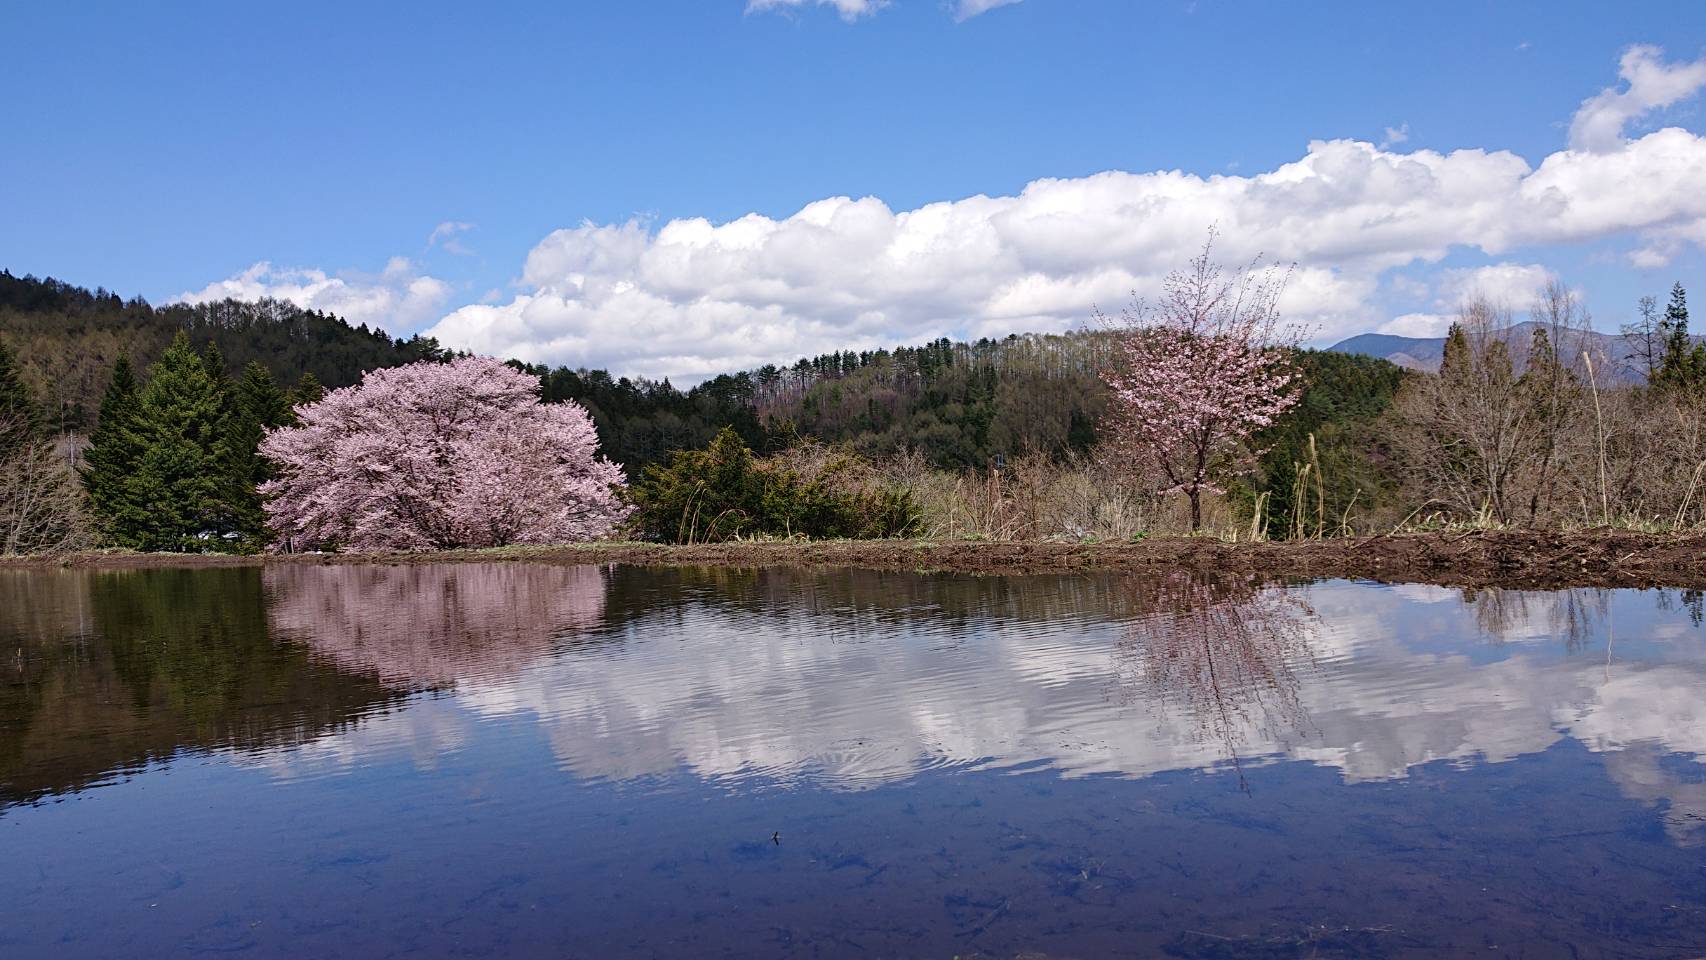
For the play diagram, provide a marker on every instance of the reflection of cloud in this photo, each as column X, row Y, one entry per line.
column 432, row 624
column 1636, row 717
column 1643, row 704
column 1426, row 593
column 855, row 679
column 1641, row 774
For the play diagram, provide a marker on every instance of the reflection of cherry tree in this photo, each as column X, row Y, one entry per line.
column 1225, row 648
column 432, row 624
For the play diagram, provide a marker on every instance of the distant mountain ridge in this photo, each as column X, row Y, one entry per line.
column 1416, row 353
column 1425, row 353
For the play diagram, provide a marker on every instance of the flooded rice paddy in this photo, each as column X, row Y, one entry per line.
column 542, row 761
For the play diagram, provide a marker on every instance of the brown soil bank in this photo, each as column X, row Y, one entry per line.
column 1492, row 558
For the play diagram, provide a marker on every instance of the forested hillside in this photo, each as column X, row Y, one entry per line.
column 956, row 405
column 66, row 339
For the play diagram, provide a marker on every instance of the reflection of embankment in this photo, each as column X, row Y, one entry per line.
column 423, row 626
column 105, row 672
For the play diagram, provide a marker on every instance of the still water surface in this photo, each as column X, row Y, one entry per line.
column 531, row 761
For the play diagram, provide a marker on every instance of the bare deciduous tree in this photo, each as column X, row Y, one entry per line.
column 1468, row 430
column 1644, row 340
column 41, row 503
column 1506, row 428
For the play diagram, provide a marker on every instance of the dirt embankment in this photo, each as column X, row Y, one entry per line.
column 1490, row 558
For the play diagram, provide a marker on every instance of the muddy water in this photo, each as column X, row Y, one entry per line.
column 513, row 760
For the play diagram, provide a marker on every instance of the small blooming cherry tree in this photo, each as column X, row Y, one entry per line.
column 1197, row 374
column 438, row 455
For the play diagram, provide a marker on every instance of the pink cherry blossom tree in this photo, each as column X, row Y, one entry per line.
column 1197, row 373
column 439, row 455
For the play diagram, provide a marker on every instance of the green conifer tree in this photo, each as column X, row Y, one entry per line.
column 1684, row 363
column 260, row 396
column 176, row 497
column 1456, row 360
column 18, row 422
column 111, row 456
column 308, row 389
column 214, row 362
column 258, row 405
column 236, row 508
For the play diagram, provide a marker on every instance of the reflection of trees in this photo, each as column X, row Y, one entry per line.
column 107, row 671
column 430, row 625
column 848, row 604
column 1226, row 649
column 1573, row 616
column 1689, row 600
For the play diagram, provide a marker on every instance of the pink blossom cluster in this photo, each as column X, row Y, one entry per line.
column 439, row 455
column 1199, row 372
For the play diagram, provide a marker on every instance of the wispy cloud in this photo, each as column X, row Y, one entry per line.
column 966, row 9
column 850, row 10
column 444, row 236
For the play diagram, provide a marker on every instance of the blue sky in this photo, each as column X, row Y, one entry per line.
column 170, row 149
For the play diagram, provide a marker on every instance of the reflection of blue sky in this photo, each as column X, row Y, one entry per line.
column 1394, row 677
column 594, row 762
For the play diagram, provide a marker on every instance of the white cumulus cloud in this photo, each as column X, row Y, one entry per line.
column 1652, row 84
column 693, row 297
column 1513, row 285
column 690, row 297
column 1417, row 325
column 397, row 299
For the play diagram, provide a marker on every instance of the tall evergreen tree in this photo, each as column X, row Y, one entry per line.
column 18, row 422
column 1456, row 359
column 176, row 497
column 258, row 405
column 1684, row 364
column 307, row 390
column 111, row 456
column 214, row 362
column 260, row 396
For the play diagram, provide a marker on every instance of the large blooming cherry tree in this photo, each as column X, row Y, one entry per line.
column 437, row 455
column 1197, row 374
